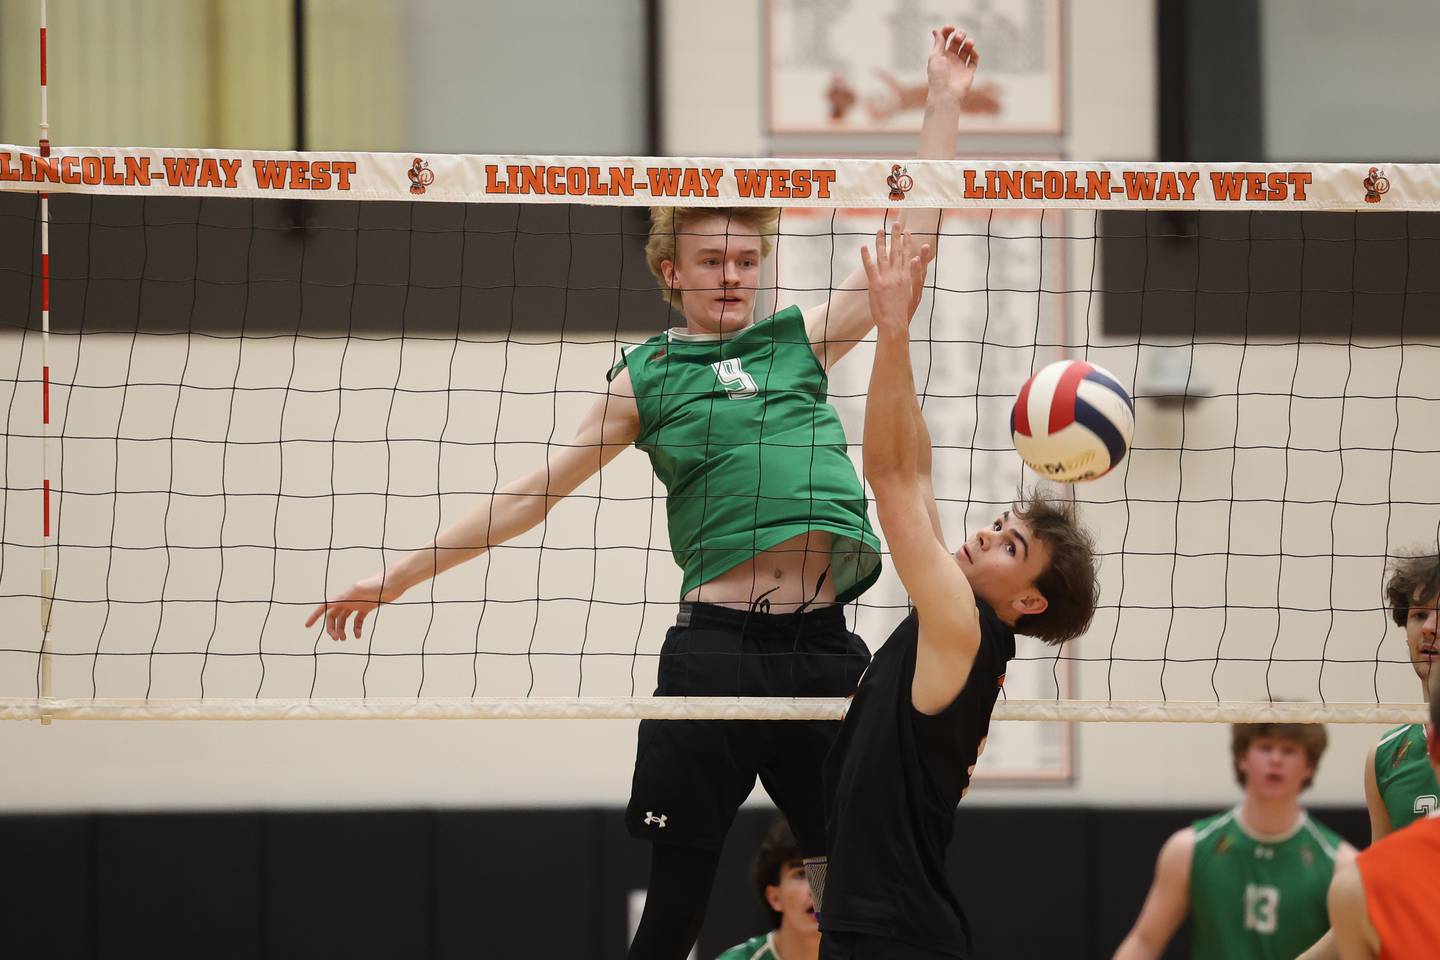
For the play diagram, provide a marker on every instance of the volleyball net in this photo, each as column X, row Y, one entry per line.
column 263, row 376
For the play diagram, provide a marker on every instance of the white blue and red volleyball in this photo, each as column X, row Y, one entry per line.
column 1072, row 421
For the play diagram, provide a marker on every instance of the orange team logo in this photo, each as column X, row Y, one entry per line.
column 1400, row 754
column 657, row 355
column 1376, row 185
column 421, row 176
column 841, row 96
column 1223, row 844
column 899, row 182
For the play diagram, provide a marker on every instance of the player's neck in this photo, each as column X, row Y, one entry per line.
column 1265, row 818
column 797, row 945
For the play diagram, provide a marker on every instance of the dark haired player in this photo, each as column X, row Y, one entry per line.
column 1383, row 903
column 918, row 722
column 779, row 876
column 1400, row 783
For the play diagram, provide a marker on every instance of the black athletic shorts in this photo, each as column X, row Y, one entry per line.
column 864, row 946
column 692, row 775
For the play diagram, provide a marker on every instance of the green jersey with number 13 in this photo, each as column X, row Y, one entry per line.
column 1261, row 898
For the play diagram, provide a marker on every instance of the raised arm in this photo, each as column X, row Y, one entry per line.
column 610, row 425
column 839, row 323
column 1166, row 904
column 896, row 446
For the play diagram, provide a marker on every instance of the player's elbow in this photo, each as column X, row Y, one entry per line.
column 892, row 486
column 888, row 468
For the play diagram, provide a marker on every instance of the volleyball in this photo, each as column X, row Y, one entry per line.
column 1072, row 421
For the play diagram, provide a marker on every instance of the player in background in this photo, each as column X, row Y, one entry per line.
column 1253, row 879
column 1383, row 904
column 779, row 876
column 767, row 519
column 917, row 725
column 1400, row 784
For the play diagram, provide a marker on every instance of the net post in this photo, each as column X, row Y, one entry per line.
column 47, row 657
column 47, row 553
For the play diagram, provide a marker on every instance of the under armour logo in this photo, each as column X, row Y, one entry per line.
column 651, row 818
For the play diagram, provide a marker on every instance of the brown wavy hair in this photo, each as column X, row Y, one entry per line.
column 1311, row 737
column 1069, row 583
column 1413, row 576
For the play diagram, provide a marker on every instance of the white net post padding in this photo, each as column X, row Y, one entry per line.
column 216, row 478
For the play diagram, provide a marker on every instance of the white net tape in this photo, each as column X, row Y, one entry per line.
column 213, row 477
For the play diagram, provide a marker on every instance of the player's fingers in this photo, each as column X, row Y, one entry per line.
column 897, row 242
column 314, row 615
column 359, row 619
column 881, row 249
column 957, row 40
column 868, row 264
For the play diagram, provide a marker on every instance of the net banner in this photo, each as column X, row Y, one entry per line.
column 627, row 181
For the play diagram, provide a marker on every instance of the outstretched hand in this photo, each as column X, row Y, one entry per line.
column 365, row 596
column 952, row 63
column 896, row 273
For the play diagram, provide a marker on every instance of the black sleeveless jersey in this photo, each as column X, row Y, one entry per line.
column 892, row 782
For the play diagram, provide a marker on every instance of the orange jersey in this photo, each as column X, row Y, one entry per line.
column 1399, row 877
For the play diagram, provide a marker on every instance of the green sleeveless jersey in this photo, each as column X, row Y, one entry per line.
column 1404, row 775
column 740, row 431
column 756, row 948
column 1262, row 899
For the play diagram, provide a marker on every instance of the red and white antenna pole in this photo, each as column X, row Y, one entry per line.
column 47, row 553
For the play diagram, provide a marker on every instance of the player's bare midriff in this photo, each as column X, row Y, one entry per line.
column 784, row 577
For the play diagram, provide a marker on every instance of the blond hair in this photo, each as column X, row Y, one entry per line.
column 667, row 223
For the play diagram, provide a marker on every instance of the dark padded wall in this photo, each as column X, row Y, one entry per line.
column 220, row 266
column 1037, row 882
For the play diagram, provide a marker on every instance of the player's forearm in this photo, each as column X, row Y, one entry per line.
column 939, row 127
column 1136, row 947
column 923, row 445
column 1324, row 949
column 500, row 517
column 937, row 142
column 891, row 445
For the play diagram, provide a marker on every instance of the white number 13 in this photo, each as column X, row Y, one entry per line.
column 1261, row 908
column 738, row 384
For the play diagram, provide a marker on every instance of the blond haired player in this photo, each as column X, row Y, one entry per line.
column 767, row 519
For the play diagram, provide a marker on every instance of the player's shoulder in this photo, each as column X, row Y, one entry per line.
column 1176, row 859
column 1328, row 840
column 1392, row 738
column 643, row 352
column 756, row 948
column 1208, row 828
